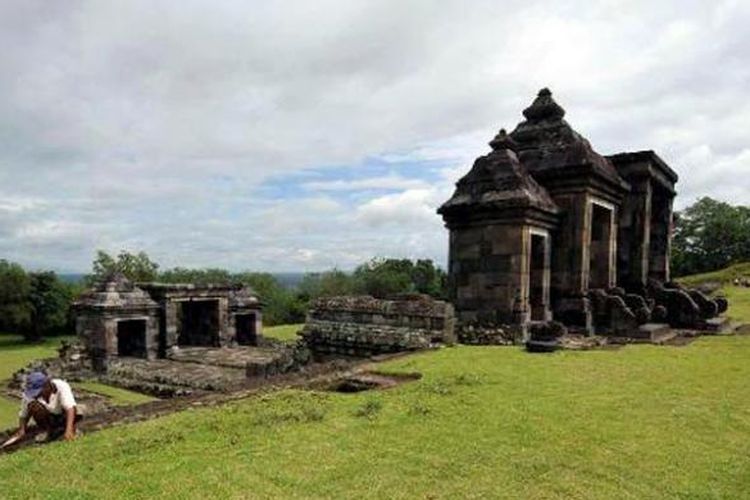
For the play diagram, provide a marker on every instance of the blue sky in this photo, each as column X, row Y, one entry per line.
column 299, row 136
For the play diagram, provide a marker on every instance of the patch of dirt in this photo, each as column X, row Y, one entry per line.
column 680, row 340
column 366, row 381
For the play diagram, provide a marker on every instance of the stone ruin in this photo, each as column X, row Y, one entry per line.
column 543, row 227
column 547, row 238
column 117, row 318
column 171, row 339
column 362, row 326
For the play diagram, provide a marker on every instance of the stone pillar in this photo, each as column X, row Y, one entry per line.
column 570, row 261
column 634, row 236
column 170, row 324
column 152, row 336
column 110, row 327
column 224, row 323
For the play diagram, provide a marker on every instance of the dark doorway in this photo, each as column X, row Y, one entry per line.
column 600, row 248
column 246, row 331
column 131, row 338
column 537, row 278
column 661, row 221
column 199, row 323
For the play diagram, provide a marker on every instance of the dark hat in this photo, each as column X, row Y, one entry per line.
column 34, row 383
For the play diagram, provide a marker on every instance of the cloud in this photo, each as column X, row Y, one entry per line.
column 242, row 134
column 388, row 182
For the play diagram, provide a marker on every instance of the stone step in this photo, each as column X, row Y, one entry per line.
column 656, row 333
column 719, row 324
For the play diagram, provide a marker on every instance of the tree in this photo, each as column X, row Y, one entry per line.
column 15, row 286
column 429, row 279
column 710, row 235
column 326, row 284
column 197, row 276
column 281, row 306
column 135, row 267
column 383, row 277
column 49, row 300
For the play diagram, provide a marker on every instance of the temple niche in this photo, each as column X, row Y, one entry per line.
column 543, row 227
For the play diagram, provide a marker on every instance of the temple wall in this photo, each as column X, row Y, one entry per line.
column 364, row 326
column 98, row 331
column 490, row 273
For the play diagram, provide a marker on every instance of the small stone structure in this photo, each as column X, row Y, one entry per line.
column 117, row 318
column 364, row 326
column 120, row 319
column 545, row 227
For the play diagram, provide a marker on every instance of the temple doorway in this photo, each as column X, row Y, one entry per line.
column 601, row 246
column 131, row 338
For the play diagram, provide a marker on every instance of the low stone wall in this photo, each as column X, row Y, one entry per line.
column 488, row 334
column 364, row 326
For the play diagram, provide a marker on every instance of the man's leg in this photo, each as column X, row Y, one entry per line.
column 43, row 419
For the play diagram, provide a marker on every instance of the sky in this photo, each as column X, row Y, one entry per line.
column 301, row 136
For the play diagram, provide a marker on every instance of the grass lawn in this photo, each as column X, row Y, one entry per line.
column 283, row 332
column 638, row 422
column 739, row 302
column 724, row 276
column 15, row 354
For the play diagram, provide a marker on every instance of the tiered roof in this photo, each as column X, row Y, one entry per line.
column 549, row 147
column 498, row 181
column 115, row 292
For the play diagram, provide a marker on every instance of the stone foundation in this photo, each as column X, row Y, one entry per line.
column 363, row 326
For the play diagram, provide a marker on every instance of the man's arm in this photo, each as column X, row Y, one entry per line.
column 23, row 418
column 70, row 419
column 22, row 423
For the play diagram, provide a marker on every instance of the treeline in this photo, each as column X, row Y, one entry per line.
column 34, row 304
column 710, row 235
column 38, row 304
column 282, row 305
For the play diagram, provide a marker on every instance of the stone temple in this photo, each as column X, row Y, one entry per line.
column 120, row 319
column 543, row 227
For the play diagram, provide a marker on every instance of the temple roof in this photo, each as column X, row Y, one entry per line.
column 116, row 292
column 498, row 180
column 645, row 156
column 244, row 296
column 547, row 143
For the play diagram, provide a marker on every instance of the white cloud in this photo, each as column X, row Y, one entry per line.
column 386, row 182
column 157, row 126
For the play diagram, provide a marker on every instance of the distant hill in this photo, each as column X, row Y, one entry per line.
column 287, row 280
column 74, row 278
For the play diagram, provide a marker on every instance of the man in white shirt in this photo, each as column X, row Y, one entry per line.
column 50, row 402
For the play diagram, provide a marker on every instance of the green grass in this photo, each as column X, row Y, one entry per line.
column 117, row 396
column 283, row 332
column 639, row 422
column 739, row 302
column 15, row 354
column 483, row 422
column 723, row 276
